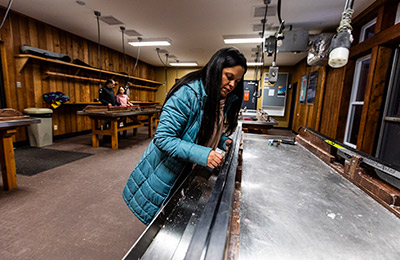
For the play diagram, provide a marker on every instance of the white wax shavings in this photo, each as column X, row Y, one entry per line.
column 332, row 215
column 249, row 155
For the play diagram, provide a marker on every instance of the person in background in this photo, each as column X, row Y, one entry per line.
column 106, row 94
column 122, row 98
column 107, row 98
column 200, row 112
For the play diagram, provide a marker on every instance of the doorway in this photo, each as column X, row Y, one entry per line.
column 388, row 147
column 2, row 92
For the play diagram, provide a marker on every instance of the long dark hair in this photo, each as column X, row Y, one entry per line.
column 211, row 76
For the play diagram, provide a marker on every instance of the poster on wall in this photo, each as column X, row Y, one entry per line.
column 281, row 91
column 303, row 89
column 246, row 95
column 312, row 86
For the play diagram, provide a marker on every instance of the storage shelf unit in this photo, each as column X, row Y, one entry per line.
column 22, row 59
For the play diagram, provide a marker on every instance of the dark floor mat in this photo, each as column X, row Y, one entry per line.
column 31, row 160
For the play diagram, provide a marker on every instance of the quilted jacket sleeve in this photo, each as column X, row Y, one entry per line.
column 222, row 142
column 178, row 127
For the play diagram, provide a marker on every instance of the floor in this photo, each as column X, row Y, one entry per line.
column 74, row 211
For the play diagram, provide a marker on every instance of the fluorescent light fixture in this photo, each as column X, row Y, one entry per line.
column 254, row 63
column 150, row 42
column 183, row 63
column 242, row 39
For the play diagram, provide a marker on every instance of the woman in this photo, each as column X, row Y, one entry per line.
column 189, row 131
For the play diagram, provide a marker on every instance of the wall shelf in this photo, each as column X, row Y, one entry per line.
column 81, row 103
column 141, row 103
column 57, row 74
column 22, row 59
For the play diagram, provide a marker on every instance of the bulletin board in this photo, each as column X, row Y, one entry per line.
column 275, row 95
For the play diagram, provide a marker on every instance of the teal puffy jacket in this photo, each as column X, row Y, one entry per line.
column 174, row 145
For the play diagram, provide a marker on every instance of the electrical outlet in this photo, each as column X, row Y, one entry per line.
column 55, row 127
column 19, row 85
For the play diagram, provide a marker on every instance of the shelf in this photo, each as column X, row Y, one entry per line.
column 144, row 87
column 81, row 103
column 99, row 103
column 144, row 103
column 57, row 74
column 22, row 59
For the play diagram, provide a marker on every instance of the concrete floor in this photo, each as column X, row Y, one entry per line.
column 74, row 211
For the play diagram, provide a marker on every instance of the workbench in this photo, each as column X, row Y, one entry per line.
column 253, row 122
column 7, row 159
column 278, row 201
column 115, row 118
column 294, row 206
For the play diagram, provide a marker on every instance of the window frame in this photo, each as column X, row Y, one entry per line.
column 353, row 102
column 364, row 28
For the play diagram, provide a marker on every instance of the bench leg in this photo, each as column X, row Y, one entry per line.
column 7, row 159
column 114, row 134
column 95, row 137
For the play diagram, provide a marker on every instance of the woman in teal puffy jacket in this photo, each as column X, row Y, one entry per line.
column 200, row 112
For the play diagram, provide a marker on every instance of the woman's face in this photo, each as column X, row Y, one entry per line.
column 121, row 90
column 230, row 77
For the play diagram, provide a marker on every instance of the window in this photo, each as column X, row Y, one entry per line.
column 356, row 101
column 368, row 30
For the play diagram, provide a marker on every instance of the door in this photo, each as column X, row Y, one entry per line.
column 2, row 93
column 388, row 148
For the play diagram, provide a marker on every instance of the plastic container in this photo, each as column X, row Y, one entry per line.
column 40, row 134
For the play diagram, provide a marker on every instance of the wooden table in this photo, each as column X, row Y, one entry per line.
column 116, row 117
column 7, row 161
column 259, row 125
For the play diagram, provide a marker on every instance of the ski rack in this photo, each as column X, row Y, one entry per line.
column 347, row 152
column 377, row 178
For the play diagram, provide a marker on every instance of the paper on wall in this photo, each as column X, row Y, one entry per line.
column 271, row 92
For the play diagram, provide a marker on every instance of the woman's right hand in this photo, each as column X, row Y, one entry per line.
column 214, row 159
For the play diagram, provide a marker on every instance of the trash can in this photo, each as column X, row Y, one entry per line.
column 40, row 134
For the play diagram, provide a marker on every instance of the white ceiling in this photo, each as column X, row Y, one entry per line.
column 196, row 28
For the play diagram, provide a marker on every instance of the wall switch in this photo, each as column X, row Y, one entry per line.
column 55, row 127
column 19, row 85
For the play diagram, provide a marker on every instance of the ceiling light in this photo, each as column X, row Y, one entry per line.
column 243, row 39
column 254, row 63
column 184, row 63
column 150, row 42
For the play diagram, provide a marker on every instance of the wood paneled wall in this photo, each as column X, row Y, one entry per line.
column 308, row 114
column 19, row 30
column 329, row 114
